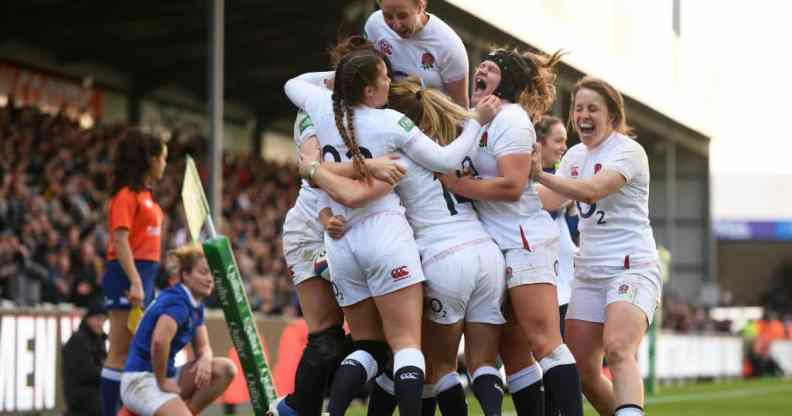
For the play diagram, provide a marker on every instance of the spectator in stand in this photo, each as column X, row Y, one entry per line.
column 88, row 270
column 55, row 180
column 134, row 252
column 82, row 360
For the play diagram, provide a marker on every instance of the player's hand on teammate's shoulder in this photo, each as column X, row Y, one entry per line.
column 387, row 168
column 486, row 109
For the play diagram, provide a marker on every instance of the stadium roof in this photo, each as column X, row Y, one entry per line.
column 155, row 44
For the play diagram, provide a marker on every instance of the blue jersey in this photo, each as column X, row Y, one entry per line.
column 178, row 303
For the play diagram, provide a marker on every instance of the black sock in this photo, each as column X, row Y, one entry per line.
column 408, row 384
column 488, row 389
column 309, row 387
column 562, row 387
column 381, row 403
column 452, row 401
column 349, row 379
column 428, row 406
column 530, row 400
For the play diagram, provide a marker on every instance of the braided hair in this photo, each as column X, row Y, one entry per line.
column 354, row 72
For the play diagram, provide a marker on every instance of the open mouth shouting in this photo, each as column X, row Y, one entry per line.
column 586, row 128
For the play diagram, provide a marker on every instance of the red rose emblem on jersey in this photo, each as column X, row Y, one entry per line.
column 385, row 47
column 573, row 171
column 483, row 140
column 597, row 167
column 427, row 60
column 623, row 289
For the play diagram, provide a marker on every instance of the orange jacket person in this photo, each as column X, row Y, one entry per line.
column 133, row 254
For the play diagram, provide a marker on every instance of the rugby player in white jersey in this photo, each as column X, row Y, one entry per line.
column 496, row 175
column 464, row 268
column 303, row 246
column 420, row 44
column 617, row 277
column 552, row 135
column 375, row 266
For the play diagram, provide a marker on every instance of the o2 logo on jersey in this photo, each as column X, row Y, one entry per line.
column 385, row 47
column 585, row 214
column 330, row 150
column 427, row 61
column 399, row 273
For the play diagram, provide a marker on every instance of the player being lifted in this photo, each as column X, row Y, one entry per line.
column 375, row 264
column 497, row 176
column 420, row 44
column 617, row 275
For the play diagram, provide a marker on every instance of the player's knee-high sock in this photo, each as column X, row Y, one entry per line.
column 355, row 370
column 429, row 402
column 488, row 388
column 527, row 391
column 562, row 382
column 110, row 391
column 382, row 401
column 408, row 379
column 450, row 395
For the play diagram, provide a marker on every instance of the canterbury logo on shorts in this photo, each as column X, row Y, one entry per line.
column 400, row 273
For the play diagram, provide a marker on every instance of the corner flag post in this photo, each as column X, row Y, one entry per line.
column 231, row 292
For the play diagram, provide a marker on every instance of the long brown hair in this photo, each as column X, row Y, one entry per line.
column 540, row 93
column 354, row 72
column 134, row 158
column 431, row 110
column 613, row 100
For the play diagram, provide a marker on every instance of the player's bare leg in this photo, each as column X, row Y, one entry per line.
column 440, row 349
column 625, row 325
column 482, row 342
column 585, row 340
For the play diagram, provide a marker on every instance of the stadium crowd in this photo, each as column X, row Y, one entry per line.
column 54, row 188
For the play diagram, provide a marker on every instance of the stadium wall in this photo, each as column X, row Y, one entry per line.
column 31, row 341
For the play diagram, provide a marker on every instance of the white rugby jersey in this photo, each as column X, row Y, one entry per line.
column 566, row 252
column 440, row 220
column 308, row 196
column 378, row 132
column 512, row 224
column 435, row 54
column 614, row 231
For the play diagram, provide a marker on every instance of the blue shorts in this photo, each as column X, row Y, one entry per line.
column 115, row 283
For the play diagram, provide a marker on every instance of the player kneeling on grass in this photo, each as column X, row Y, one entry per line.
column 151, row 384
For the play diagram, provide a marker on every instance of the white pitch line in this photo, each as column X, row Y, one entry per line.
column 703, row 396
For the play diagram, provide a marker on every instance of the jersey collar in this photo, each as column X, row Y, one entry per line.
column 193, row 302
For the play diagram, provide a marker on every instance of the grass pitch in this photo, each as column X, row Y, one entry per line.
column 764, row 397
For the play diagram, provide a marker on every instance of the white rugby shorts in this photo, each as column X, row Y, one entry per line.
column 641, row 286
column 465, row 282
column 303, row 248
column 141, row 393
column 375, row 257
column 539, row 264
